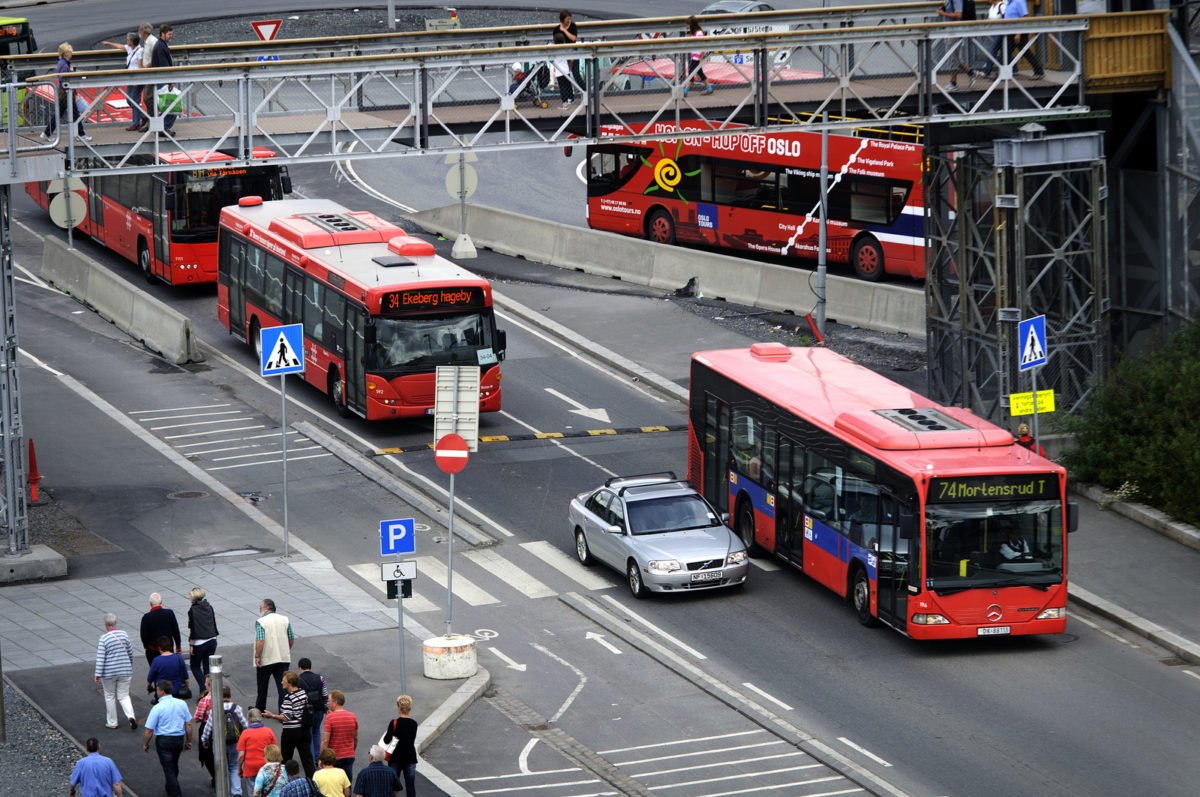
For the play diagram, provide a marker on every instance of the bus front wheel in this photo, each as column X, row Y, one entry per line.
column 337, row 393
column 867, row 257
column 861, row 597
column 144, row 261
column 745, row 529
column 256, row 338
column 660, row 228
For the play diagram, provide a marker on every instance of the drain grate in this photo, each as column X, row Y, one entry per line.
column 182, row 494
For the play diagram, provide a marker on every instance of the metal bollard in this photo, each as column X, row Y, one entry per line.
column 217, row 711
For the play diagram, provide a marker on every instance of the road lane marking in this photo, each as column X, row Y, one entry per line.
column 416, row 604
column 864, row 751
column 566, row 565
column 193, row 424
column 718, row 737
column 179, row 409
column 676, row 642
column 269, row 462
column 561, row 445
column 1104, row 631
column 464, row 588
column 509, row 573
column 272, row 435
column 213, row 431
column 763, row 694
column 291, row 451
column 1193, row 674
column 659, row 772
column 694, row 753
column 189, row 415
column 578, row 674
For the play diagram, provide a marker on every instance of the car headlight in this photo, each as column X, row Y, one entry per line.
column 661, row 566
column 1057, row 613
column 929, row 619
column 735, row 558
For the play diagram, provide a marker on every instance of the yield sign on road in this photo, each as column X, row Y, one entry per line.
column 451, row 453
column 267, row 29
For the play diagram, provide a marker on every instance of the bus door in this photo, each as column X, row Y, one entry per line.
column 236, row 263
column 716, row 452
column 355, row 376
column 892, row 568
column 160, row 219
column 789, row 503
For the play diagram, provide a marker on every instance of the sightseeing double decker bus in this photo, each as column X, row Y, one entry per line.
column 166, row 222
column 925, row 517
column 760, row 192
column 380, row 309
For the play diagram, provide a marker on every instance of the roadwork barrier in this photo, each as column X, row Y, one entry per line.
column 141, row 316
column 880, row 306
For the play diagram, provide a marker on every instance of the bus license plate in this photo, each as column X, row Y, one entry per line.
column 993, row 630
column 714, row 575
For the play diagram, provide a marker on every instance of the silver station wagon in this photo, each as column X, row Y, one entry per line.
column 659, row 532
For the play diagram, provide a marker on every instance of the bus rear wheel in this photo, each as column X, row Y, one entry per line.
column 860, row 595
column 337, row 393
column 660, row 228
column 144, row 261
column 867, row 257
column 256, row 338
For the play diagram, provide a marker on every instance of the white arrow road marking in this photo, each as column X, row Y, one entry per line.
column 600, row 638
column 598, row 414
column 512, row 665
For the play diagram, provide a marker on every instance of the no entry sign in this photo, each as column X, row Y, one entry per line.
column 451, row 453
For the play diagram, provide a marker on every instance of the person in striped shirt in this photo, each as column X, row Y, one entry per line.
column 114, row 670
column 295, row 735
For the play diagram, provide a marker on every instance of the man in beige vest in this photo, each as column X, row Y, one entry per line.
column 273, row 640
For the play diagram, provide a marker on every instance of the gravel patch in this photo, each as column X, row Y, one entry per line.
column 37, row 758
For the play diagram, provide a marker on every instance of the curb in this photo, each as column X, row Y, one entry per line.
column 1183, row 648
column 1147, row 516
column 441, row 719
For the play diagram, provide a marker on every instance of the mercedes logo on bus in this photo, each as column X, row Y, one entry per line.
column 994, row 613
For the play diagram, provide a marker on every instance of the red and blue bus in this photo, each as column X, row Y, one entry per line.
column 760, row 192
column 924, row 517
column 166, row 221
column 380, row 309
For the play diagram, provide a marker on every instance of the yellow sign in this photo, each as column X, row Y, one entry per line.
column 1022, row 403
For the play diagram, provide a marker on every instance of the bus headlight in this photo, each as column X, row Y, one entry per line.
column 735, row 558
column 1057, row 613
column 663, row 566
column 929, row 619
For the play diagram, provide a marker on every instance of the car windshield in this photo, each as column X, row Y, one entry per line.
column 670, row 513
column 975, row 545
column 423, row 342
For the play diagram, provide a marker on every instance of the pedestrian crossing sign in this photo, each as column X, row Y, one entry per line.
column 281, row 350
column 1031, row 342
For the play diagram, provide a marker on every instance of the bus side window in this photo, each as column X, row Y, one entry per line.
column 335, row 321
column 313, row 314
column 293, row 292
column 273, row 286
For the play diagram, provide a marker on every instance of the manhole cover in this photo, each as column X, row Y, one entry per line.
column 181, row 494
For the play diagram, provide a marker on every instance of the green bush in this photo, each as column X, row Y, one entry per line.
column 1142, row 427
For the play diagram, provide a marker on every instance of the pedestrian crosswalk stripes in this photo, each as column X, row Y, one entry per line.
column 566, row 565
column 464, row 589
column 509, row 573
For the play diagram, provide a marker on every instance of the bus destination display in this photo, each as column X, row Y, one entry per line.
column 433, row 298
column 1020, row 487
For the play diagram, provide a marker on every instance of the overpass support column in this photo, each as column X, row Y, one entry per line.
column 1014, row 230
column 13, row 511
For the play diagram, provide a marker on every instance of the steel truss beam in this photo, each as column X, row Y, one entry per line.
column 13, row 513
column 1024, row 235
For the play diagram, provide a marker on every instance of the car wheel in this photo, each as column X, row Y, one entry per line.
column 745, row 529
column 634, row 575
column 581, row 548
column 867, row 258
column 660, row 228
column 861, row 596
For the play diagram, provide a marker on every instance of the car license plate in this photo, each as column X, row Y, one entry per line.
column 993, row 630
column 714, row 575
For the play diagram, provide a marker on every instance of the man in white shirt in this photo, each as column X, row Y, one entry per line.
column 148, row 39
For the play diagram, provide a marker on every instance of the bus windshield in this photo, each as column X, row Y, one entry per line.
column 423, row 342
column 976, row 545
column 200, row 195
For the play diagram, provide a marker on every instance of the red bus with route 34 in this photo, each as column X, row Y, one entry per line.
column 166, row 222
column 760, row 192
column 380, row 309
column 924, row 517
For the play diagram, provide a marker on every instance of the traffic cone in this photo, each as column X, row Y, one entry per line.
column 34, row 476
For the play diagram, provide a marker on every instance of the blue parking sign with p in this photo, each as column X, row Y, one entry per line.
column 397, row 536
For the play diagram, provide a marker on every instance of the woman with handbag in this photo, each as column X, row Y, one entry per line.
column 401, row 739
column 169, row 666
column 271, row 779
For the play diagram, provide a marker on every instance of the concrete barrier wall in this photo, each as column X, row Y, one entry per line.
column 883, row 307
column 141, row 316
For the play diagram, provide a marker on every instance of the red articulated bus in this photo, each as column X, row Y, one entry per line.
column 925, row 517
column 166, row 221
column 760, row 192
column 381, row 310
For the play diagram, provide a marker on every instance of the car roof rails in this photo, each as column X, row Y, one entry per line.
column 655, row 485
column 666, row 475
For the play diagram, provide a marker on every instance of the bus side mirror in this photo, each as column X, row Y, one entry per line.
column 369, row 334
column 1072, row 516
column 173, row 200
column 907, row 521
column 501, row 343
column 286, row 179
